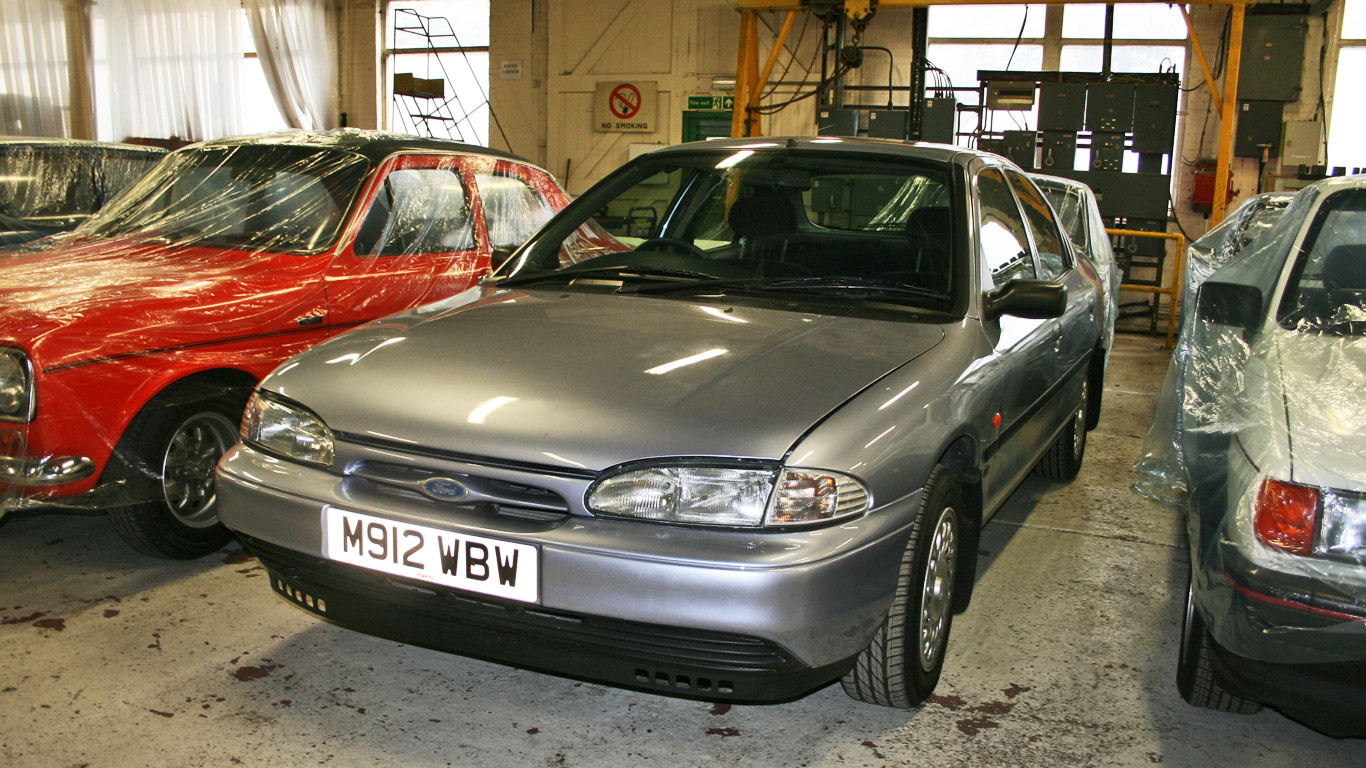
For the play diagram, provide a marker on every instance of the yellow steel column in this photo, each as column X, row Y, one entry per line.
column 1204, row 63
column 1235, row 54
column 737, row 116
column 752, row 77
column 753, row 117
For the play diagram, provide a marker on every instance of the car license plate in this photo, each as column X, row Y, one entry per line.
column 458, row 560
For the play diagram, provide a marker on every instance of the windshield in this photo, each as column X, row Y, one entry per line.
column 768, row 220
column 46, row 181
column 1327, row 289
column 252, row 197
column 1071, row 208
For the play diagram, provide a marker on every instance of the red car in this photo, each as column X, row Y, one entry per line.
column 128, row 349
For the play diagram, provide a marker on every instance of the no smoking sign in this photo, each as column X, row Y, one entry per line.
column 629, row 107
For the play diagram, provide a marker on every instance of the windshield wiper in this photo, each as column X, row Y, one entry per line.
column 832, row 284
column 843, row 283
column 624, row 271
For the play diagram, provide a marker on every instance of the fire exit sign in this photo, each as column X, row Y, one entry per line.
column 711, row 102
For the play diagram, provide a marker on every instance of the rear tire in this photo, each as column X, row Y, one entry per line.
column 165, row 465
column 1096, row 377
column 1062, row 460
column 901, row 665
column 1195, row 675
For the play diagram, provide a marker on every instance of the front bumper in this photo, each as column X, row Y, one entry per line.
column 772, row 613
column 44, row 472
column 709, row 665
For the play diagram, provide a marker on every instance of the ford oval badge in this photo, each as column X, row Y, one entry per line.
column 444, row 488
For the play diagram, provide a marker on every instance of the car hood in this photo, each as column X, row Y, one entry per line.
column 587, row 381
column 112, row 296
column 1325, row 414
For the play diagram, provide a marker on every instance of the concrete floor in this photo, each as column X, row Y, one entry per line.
column 1066, row 657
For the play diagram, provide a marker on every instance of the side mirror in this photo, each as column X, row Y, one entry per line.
column 1231, row 304
column 1027, row 298
column 500, row 256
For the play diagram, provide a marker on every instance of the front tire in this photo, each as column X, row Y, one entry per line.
column 902, row 663
column 165, row 465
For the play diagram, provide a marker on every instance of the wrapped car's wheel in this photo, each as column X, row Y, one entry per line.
column 1195, row 676
column 901, row 665
column 1062, row 460
column 164, row 472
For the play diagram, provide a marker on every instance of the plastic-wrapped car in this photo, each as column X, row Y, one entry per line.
column 1162, row 472
column 49, row 186
column 727, row 426
column 1268, row 439
column 1079, row 213
column 128, row 349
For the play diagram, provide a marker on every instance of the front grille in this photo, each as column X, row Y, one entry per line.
column 404, row 481
column 305, row 579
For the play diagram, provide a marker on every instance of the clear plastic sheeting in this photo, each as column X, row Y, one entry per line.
column 49, row 186
column 1079, row 213
column 1226, row 241
column 129, row 346
column 1259, row 434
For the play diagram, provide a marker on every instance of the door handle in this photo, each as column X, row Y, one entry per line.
column 314, row 320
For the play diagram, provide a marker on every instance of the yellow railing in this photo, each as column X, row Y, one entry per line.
column 1173, row 291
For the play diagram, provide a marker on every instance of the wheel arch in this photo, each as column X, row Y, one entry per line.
column 963, row 459
column 197, row 385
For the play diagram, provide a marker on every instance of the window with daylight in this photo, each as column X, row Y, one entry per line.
column 1345, row 148
column 963, row 40
column 445, row 41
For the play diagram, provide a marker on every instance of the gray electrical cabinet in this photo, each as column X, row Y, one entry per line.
column 1062, row 106
column 939, row 120
column 1019, row 146
column 1273, row 56
column 1259, row 127
column 838, row 122
column 1155, row 118
column 1058, row 151
column 1110, row 107
column 889, row 124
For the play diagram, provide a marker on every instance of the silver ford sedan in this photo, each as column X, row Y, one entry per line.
column 726, row 427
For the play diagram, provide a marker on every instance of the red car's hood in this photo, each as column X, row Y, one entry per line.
column 117, row 296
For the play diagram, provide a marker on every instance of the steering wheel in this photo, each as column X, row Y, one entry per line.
column 673, row 243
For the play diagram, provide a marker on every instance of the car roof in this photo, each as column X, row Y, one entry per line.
column 373, row 145
column 47, row 141
column 1335, row 183
column 942, row 153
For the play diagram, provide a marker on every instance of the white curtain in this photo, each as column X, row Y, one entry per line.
column 174, row 67
column 34, row 81
column 296, row 50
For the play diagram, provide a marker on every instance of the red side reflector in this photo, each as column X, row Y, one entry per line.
column 1286, row 516
column 12, row 443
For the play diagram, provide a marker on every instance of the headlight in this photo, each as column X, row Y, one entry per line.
column 16, row 386
column 286, row 429
column 729, row 496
